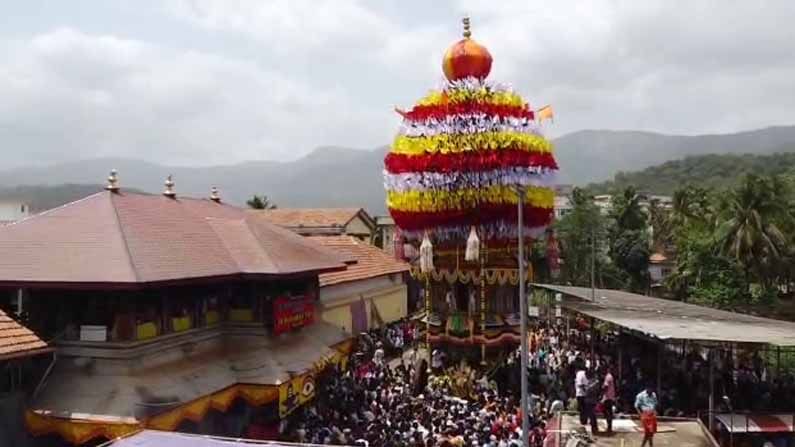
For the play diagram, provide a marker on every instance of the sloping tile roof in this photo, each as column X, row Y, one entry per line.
column 309, row 217
column 139, row 238
column 371, row 261
column 17, row 340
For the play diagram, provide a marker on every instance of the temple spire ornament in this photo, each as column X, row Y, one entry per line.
column 466, row 58
column 214, row 196
column 113, row 181
column 169, row 191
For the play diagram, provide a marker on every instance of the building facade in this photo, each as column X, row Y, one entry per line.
column 354, row 222
column 169, row 313
column 370, row 293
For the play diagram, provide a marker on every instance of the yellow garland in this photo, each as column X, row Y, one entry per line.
column 493, row 275
column 451, row 144
column 435, row 201
column 436, row 98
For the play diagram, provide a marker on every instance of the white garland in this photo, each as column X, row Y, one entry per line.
column 472, row 83
column 467, row 124
column 494, row 230
column 437, row 181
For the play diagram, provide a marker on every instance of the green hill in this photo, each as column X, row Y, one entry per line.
column 715, row 171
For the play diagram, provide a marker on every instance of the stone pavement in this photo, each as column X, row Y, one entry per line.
column 627, row 433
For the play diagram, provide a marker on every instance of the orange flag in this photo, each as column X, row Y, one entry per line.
column 545, row 113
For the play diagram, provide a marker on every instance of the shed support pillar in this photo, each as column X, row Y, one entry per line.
column 711, row 410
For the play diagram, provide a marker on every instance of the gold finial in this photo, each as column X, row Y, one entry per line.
column 113, row 181
column 214, row 195
column 169, row 192
column 467, row 31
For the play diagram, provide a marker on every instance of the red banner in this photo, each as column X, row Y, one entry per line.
column 291, row 313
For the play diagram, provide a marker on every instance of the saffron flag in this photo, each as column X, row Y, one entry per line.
column 545, row 113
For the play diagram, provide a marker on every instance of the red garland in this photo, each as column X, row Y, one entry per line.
column 470, row 161
column 482, row 215
column 440, row 111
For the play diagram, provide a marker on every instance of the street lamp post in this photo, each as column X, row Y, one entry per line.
column 523, row 313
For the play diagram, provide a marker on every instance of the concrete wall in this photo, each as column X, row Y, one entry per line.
column 388, row 293
column 357, row 227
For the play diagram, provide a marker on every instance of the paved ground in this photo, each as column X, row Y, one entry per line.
column 678, row 433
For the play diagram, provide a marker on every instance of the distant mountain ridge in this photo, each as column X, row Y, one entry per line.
column 338, row 176
column 596, row 155
column 717, row 171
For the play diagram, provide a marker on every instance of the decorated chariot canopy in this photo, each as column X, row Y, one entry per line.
column 462, row 152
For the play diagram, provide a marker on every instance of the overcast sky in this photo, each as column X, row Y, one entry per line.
column 198, row 82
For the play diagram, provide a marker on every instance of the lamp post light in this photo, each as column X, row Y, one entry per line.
column 523, row 317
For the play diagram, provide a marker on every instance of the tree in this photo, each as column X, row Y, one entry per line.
column 260, row 203
column 629, row 238
column 576, row 231
column 627, row 212
column 693, row 206
column 750, row 233
column 702, row 274
column 662, row 226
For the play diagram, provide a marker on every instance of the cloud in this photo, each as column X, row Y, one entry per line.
column 285, row 25
column 699, row 67
column 68, row 95
column 210, row 81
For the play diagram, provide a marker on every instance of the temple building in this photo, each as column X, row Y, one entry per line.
column 22, row 356
column 354, row 222
column 370, row 293
column 168, row 313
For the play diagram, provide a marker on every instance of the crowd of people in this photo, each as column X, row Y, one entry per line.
column 385, row 398
column 406, row 402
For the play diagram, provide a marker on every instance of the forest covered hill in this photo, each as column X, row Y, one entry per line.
column 713, row 171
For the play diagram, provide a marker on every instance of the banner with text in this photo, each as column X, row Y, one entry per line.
column 295, row 392
column 291, row 313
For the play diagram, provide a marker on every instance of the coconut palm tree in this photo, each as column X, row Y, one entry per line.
column 750, row 233
column 627, row 211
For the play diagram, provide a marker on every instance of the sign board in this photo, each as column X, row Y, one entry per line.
column 295, row 392
column 558, row 312
column 292, row 313
column 533, row 311
column 93, row 333
column 558, row 297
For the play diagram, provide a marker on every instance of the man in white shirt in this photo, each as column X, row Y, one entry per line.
column 580, row 383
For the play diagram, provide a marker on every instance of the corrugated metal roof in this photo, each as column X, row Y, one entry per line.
column 675, row 320
column 152, row 438
column 17, row 340
column 139, row 238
